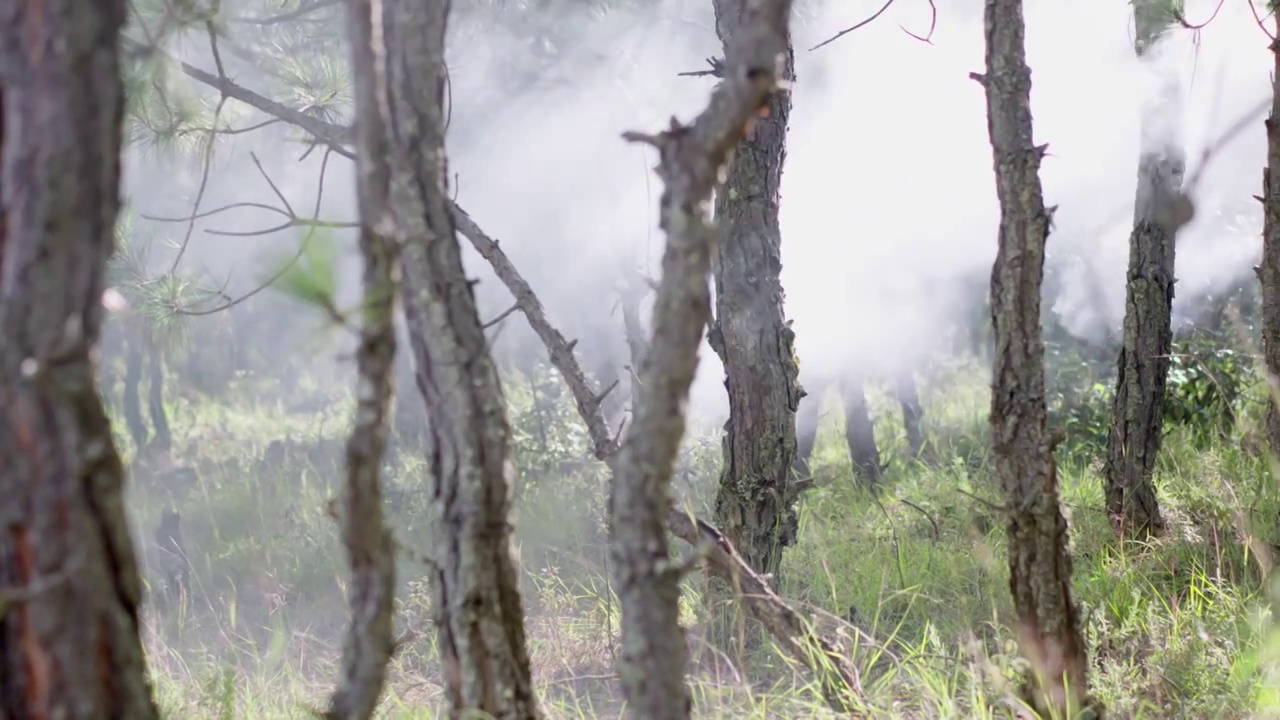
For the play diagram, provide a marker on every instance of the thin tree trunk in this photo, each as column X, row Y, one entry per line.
column 837, row 678
column 1039, row 562
column 69, row 585
column 131, row 402
column 908, row 394
column 163, row 439
column 1136, row 422
column 479, row 615
column 370, row 550
column 860, row 431
column 654, row 654
column 807, row 416
column 754, row 505
column 1269, row 270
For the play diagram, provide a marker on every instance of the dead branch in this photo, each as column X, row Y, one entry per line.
column 312, row 224
column 836, row 676
column 558, row 347
column 605, row 446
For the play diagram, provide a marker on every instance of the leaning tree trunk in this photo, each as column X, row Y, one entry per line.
column 1039, row 562
column 69, row 630
column 370, row 550
column 1136, row 422
column 1269, row 269
column 479, row 616
column 755, row 506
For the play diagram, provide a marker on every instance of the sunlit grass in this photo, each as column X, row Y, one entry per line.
column 1182, row 629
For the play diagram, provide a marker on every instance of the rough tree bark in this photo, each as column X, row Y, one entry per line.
column 654, row 654
column 837, row 678
column 1133, row 442
column 790, row 633
column 1269, row 270
column 370, row 549
column 860, row 431
column 69, row 585
column 479, row 616
column 1039, row 563
column 755, row 506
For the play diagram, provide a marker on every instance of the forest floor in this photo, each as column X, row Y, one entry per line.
column 1180, row 630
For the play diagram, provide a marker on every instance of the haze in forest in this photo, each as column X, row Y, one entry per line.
column 889, row 212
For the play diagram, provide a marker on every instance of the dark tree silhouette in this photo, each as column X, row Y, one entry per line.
column 69, row 585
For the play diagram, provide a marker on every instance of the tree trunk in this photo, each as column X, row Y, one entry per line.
column 1136, row 422
column 908, row 394
column 370, row 550
column 1039, row 563
column 1269, row 270
column 479, row 616
column 131, row 402
column 754, row 504
column 807, row 417
column 69, row 630
column 860, row 431
column 163, row 439
column 654, row 653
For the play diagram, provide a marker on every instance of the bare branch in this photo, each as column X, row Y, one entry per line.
column 302, row 249
column 852, row 28
column 836, row 676
column 559, row 348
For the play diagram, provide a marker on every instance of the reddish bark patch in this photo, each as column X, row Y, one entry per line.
column 35, row 658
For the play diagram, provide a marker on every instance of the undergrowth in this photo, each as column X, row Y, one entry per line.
column 911, row 582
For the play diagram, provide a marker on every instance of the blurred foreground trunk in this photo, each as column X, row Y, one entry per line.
column 1269, row 270
column 1137, row 412
column 479, row 616
column 370, row 549
column 755, row 506
column 69, row 585
column 1039, row 563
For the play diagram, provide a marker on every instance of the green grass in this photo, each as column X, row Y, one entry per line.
column 1181, row 630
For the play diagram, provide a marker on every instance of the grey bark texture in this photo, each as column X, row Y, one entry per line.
column 69, row 584
column 838, row 680
column 1039, row 562
column 860, row 431
column 654, row 654
column 370, row 549
column 1133, row 442
column 479, row 615
column 1269, row 270
column 755, row 503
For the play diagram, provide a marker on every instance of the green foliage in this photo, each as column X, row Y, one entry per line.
column 310, row 275
column 1205, row 384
